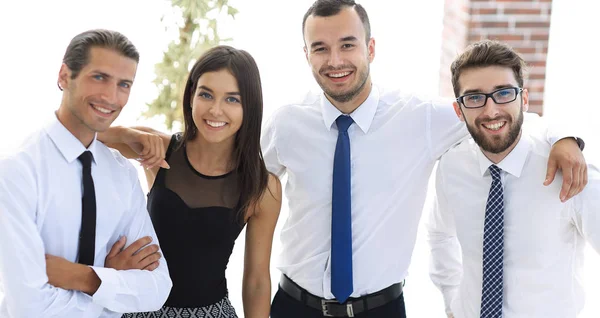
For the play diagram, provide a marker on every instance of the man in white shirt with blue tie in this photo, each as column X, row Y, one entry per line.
column 74, row 229
column 358, row 159
column 502, row 244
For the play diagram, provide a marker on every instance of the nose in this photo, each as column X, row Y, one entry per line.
column 110, row 94
column 335, row 58
column 216, row 109
column 490, row 108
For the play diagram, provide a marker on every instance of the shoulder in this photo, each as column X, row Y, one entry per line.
column 31, row 150
column 310, row 102
column 274, row 186
column 117, row 163
column 19, row 167
column 401, row 99
column 464, row 151
column 270, row 201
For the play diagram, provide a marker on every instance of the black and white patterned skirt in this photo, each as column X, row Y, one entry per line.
column 221, row 309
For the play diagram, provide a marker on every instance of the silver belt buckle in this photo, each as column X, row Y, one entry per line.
column 325, row 303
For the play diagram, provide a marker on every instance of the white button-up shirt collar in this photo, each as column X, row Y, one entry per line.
column 40, row 213
column 362, row 116
column 513, row 163
column 68, row 145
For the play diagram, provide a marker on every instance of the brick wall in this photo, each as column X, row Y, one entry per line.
column 523, row 24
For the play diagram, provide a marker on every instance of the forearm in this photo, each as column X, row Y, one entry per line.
column 256, row 296
column 116, row 137
column 85, row 280
column 132, row 290
column 22, row 262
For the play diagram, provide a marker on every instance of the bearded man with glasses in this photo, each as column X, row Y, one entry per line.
column 502, row 244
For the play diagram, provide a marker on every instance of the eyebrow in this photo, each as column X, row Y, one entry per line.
column 210, row 90
column 110, row 76
column 350, row 38
column 497, row 87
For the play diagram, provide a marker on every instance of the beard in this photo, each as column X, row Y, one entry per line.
column 343, row 97
column 496, row 144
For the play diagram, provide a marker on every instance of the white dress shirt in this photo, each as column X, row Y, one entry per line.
column 40, row 213
column 395, row 142
column 543, row 238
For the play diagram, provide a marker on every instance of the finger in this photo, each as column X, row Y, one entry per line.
column 550, row 171
column 567, row 182
column 152, row 266
column 576, row 184
column 144, row 148
column 151, row 163
column 145, row 252
column 163, row 164
column 137, row 245
column 163, row 154
column 154, row 257
column 117, row 247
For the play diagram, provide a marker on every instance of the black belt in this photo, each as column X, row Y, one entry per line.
column 332, row 308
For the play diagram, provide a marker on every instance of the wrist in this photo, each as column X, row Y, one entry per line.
column 128, row 135
column 86, row 280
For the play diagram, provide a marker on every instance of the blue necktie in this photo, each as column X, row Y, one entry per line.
column 493, row 249
column 341, row 220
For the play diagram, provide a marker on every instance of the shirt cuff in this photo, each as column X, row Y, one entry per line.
column 107, row 291
column 449, row 294
column 579, row 141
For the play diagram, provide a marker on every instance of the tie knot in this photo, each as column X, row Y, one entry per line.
column 343, row 122
column 495, row 172
column 86, row 159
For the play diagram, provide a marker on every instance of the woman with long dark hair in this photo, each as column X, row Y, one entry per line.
column 215, row 184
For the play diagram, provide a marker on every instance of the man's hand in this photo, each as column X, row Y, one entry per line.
column 149, row 147
column 71, row 276
column 138, row 255
column 567, row 157
column 450, row 315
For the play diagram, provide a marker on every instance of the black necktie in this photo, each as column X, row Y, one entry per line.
column 87, row 235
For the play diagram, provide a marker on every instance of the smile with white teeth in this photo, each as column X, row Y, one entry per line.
column 495, row 126
column 338, row 75
column 215, row 124
column 101, row 109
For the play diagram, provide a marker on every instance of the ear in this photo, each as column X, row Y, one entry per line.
column 371, row 49
column 64, row 75
column 306, row 53
column 525, row 96
column 458, row 111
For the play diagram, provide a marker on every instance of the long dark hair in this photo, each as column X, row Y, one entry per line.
column 250, row 167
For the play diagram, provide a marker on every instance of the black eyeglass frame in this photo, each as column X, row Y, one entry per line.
column 517, row 90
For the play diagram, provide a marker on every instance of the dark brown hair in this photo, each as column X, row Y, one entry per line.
column 487, row 53
column 77, row 54
column 327, row 8
column 250, row 166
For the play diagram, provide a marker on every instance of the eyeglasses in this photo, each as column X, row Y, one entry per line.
column 501, row 96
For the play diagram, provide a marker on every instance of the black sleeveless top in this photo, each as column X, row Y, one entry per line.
column 195, row 222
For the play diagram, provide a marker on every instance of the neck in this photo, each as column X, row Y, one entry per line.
column 498, row 157
column 211, row 159
column 351, row 105
column 75, row 126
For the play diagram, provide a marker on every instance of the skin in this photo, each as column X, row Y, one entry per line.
column 104, row 82
column 338, row 44
column 216, row 101
column 495, row 144
column 564, row 155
